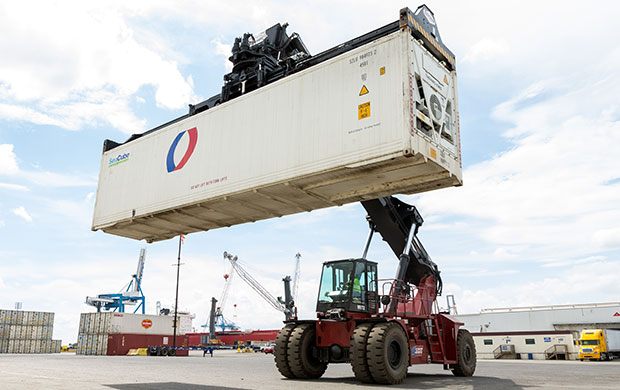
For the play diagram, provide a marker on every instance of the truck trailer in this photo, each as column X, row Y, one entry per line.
column 293, row 132
column 599, row 344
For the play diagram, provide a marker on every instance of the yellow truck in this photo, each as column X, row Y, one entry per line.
column 599, row 344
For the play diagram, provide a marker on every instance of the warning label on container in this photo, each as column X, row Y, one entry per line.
column 363, row 91
column 363, row 111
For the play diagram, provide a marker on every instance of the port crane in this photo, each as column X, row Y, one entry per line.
column 131, row 294
column 216, row 314
column 285, row 305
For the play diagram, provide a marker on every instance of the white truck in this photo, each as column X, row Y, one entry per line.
column 291, row 132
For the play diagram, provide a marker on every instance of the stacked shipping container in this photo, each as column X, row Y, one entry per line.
column 27, row 332
column 115, row 333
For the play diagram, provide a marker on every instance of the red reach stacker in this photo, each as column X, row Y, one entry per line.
column 379, row 326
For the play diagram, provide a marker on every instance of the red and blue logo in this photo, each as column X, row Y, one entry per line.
column 191, row 145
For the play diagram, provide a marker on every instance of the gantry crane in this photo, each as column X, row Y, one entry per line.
column 130, row 294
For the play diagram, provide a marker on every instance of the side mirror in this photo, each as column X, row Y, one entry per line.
column 385, row 300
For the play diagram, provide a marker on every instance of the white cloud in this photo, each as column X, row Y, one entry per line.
column 82, row 72
column 53, row 179
column 223, row 50
column 587, row 283
column 13, row 187
column 8, row 160
column 607, row 237
column 486, row 49
column 22, row 213
column 9, row 166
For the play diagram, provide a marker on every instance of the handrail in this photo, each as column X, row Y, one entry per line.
column 550, row 307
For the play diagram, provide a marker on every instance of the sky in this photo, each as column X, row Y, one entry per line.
column 535, row 223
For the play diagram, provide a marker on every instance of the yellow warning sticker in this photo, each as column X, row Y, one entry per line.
column 382, row 70
column 364, row 90
column 433, row 153
column 363, row 111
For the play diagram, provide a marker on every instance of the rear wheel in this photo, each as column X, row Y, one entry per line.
column 302, row 354
column 280, row 351
column 359, row 361
column 388, row 353
column 465, row 354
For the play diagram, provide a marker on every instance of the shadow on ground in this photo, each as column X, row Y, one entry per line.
column 168, row 386
column 426, row 381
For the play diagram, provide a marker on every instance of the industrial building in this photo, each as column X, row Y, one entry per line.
column 537, row 332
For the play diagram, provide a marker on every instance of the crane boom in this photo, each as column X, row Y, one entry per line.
column 227, row 283
column 139, row 270
column 131, row 293
column 296, row 275
column 256, row 286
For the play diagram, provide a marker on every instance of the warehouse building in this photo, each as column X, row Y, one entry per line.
column 537, row 332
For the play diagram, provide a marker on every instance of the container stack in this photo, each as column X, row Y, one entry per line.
column 27, row 332
column 116, row 333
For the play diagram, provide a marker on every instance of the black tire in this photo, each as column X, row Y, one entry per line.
column 465, row 354
column 172, row 352
column 280, row 351
column 388, row 353
column 603, row 357
column 301, row 357
column 358, row 353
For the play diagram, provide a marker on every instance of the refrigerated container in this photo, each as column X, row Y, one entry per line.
column 377, row 120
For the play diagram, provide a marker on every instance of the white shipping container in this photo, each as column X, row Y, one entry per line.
column 4, row 331
column 111, row 323
column 4, row 346
column 19, row 317
column 377, row 120
column 612, row 337
column 3, row 316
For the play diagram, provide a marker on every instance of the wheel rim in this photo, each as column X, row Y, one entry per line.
column 467, row 354
column 394, row 354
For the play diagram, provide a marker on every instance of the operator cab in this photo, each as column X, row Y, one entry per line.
column 349, row 285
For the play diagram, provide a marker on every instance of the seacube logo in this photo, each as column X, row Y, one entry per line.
column 191, row 145
column 121, row 158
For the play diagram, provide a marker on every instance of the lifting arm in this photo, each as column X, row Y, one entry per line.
column 398, row 224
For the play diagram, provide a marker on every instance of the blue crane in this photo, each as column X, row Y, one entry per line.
column 129, row 295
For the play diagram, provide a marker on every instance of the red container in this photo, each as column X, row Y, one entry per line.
column 121, row 343
column 232, row 337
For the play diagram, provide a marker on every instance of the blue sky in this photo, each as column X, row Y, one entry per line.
column 534, row 223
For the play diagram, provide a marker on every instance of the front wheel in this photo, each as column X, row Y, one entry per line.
column 280, row 351
column 358, row 352
column 603, row 357
column 465, row 354
column 302, row 353
column 387, row 352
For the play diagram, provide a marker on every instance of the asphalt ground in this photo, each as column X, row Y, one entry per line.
column 232, row 370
